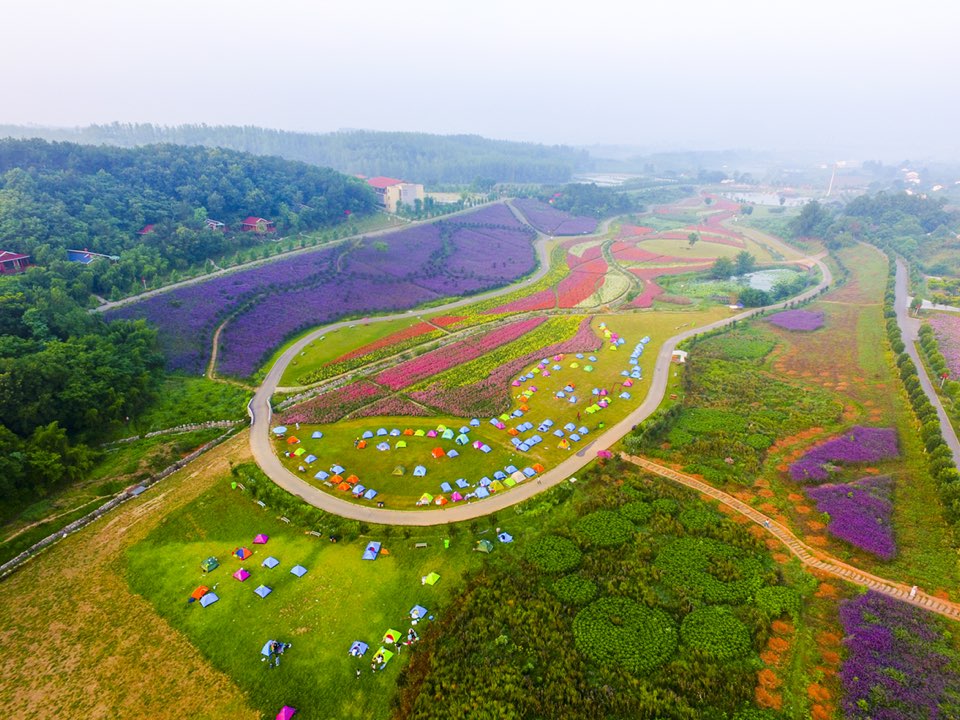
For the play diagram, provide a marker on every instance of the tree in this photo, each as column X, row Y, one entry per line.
column 722, row 268
column 746, row 263
column 693, row 238
column 812, row 221
column 916, row 305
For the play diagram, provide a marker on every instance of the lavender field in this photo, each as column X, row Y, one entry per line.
column 804, row 320
column 858, row 445
column 551, row 221
column 860, row 513
column 466, row 254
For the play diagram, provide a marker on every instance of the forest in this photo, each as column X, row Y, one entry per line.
column 418, row 157
column 60, row 196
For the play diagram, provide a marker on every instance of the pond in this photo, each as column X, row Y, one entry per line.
column 767, row 198
column 766, row 279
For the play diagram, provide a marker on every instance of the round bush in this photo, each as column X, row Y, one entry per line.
column 666, row 506
column 776, row 600
column 698, row 518
column 710, row 569
column 574, row 590
column 552, row 553
column 604, row 529
column 637, row 511
column 715, row 631
column 620, row 631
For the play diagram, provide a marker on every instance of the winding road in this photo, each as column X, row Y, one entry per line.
column 263, row 452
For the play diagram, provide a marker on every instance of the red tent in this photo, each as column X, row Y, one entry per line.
column 243, row 553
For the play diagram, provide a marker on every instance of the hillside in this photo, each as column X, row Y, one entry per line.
column 421, row 157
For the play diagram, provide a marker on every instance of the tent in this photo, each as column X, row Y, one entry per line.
column 383, row 447
column 298, row 570
column 358, row 489
column 510, row 469
column 322, row 475
column 477, row 444
column 242, row 553
column 441, row 428
column 518, row 477
column 373, row 549
column 447, row 434
column 582, row 430
column 437, row 452
column 441, row 501
column 481, row 493
column 563, row 445
column 353, row 480
column 461, row 483
column 267, row 649
column 624, row 395
column 484, row 546
column 358, row 649
column 394, row 433
column 279, row 430
column 337, row 469
column 419, row 471
column 575, row 437
column 538, row 467
column 293, row 440
column 384, row 655
column 286, row 712
column 198, row 593
column 408, row 432
column 261, row 539
column 370, row 494
column 628, row 383
column 399, row 470
column 211, row 563
column 400, row 444
column 310, row 459
column 453, row 454
column 298, row 452
column 241, row 575
column 529, row 472
column 263, row 591
column 510, row 482
column 367, row 435
column 485, row 449
column 558, row 433
column 431, row 433
column 484, row 481
column 475, row 422
column 417, row 612
column 445, row 487
column 505, row 537
column 209, row 599
column 496, row 486
column 361, row 445
column 456, row 497
column 498, row 475
column 343, row 487
column 270, row 562
column 391, row 636
column 462, row 439
column 381, row 432
column 317, row 435
column 425, row 499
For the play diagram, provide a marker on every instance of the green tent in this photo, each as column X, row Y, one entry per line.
column 484, row 546
column 384, row 654
column 211, row 563
column 399, row 470
column 299, row 451
column 400, row 444
column 588, row 368
column 419, row 433
column 447, row 434
column 431, row 579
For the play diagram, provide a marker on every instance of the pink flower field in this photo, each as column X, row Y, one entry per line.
column 947, row 330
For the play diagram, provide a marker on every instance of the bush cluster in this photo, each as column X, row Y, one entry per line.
column 574, row 590
column 552, row 553
column 716, row 632
column 620, row 631
column 710, row 570
column 604, row 528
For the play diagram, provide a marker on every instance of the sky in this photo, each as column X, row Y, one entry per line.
column 853, row 78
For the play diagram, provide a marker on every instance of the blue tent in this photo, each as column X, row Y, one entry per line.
column 505, row 537
column 298, row 570
column 510, row 469
column 208, row 599
column 475, row 423
column 625, row 395
column 575, row 437
column 592, row 358
column 582, row 430
column 358, row 489
column 516, row 441
column 517, row 413
column 461, row 483
column 579, row 356
column 358, row 649
column 370, row 494
column 419, row 471
column 558, row 433
column 418, row 612
column 367, row 435
column 267, row 648
column 529, row 472
column 383, row 447
column 464, row 429
column 481, row 492
column 462, row 439
column 523, row 447
column 485, row 448
column 322, row 475
column 394, row 433
column 572, row 399
column 270, row 562
column 382, row 431
column 373, row 549
column 498, row 475
column 317, row 435
column 445, row 486
column 535, row 440
column 569, row 427
column 263, row 591
column 337, row 469
column 310, row 459
column 279, row 430
column 453, row 453
column 494, row 421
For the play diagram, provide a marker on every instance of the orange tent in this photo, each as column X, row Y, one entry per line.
column 199, row 592
column 293, row 440
column 441, row 501
column 336, row 479
column 361, row 445
column 437, row 452
column 513, row 431
column 524, row 408
column 353, row 479
column 538, row 467
column 343, row 486
column 408, row 431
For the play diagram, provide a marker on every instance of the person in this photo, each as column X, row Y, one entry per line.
column 356, row 441
column 358, row 673
column 766, row 524
column 913, row 592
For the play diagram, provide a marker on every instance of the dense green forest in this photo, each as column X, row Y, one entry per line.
column 915, row 226
column 59, row 196
column 418, row 157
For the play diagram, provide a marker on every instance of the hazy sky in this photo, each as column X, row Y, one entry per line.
column 861, row 78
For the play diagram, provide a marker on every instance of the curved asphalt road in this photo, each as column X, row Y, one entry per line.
column 269, row 462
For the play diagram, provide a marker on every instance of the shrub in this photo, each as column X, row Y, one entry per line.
column 637, row 511
column 698, row 518
column 619, row 631
column 574, row 590
column 709, row 569
column 716, row 632
column 776, row 600
column 552, row 553
column 604, row 528
column 665, row 506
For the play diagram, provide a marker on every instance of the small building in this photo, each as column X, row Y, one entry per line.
column 391, row 192
column 85, row 257
column 145, row 230
column 12, row 263
column 258, row 225
column 215, row 225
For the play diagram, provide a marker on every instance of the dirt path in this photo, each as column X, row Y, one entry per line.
column 87, row 647
column 806, row 554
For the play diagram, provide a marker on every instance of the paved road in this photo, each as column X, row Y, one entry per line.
column 806, row 554
column 262, row 448
column 910, row 328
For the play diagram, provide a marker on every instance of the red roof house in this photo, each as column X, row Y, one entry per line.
column 12, row 263
column 257, row 225
column 145, row 230
column 381, row 182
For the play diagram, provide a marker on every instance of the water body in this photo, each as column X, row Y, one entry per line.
column 767, row 198
column 766, row 279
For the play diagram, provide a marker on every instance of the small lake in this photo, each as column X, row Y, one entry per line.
column 766, row 279
column 762, row 198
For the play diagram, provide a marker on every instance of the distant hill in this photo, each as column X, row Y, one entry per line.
column 419, row 157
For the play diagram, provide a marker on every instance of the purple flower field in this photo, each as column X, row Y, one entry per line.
column 797, row 320
column 860, row 513
column 466, row 254
column 900, row 664
column 551, row 221
column 946, row 328
column 858, row 445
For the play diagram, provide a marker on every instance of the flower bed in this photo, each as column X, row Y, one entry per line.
column 551, row 221
column 858, row 445
column 399, row 337
column 650, row 288
column 900, row 662
column 444, row 358
column 333, row 405
column 393, row 405
column 947, row 330
column 860, row 513
column 797, row 320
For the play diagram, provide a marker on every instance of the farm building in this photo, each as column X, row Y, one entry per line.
column 258, row 225
column 12, row 263
column 391, row 192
